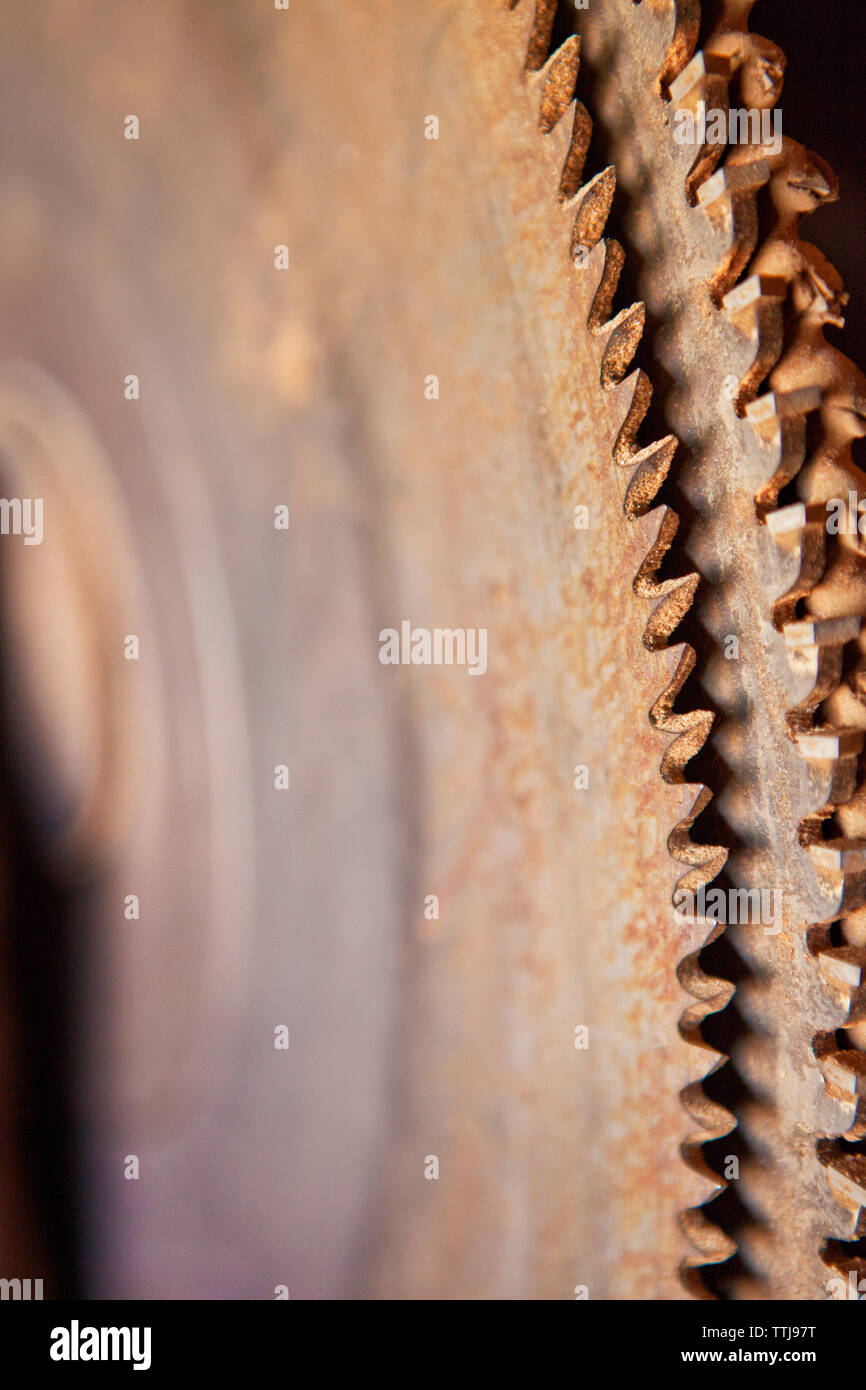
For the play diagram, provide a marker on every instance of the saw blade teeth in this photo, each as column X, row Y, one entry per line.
column 702, row 871
column 683, row 847
column 572, row 169
column 800, row 537
column 844, row 1073
column 713, row 992
column 524, row 18
column 636, row 389
column 670, row 611
column 727, row 198
column 651, row 467
column 676, row 594
column 688, row 800
column 708, row 1239
column 681, row 46
column 750, row 296
column 679, row 662
column 843, row 966
column 702, row 86
column 843, row 1065
column 624, row 335
column 818, row 634
column 778, row 419
column 599, row 316
column 691, row 1025
column 692, row 728
column 814, row 649
column 691, row 737
column 768, row 413
column 755, row 306
column 538, row 43
column 703, row 79
column 656, row 529
column 787, row 281
column 831, row 757
column 557, row 107
column 716, row 1119
column 732, row 181
column 592, row 204
column 794, row 170
column 841, row 869
column 846, row 1177
column 556, row 82
column 692, row 1153
column 827, row 744
column 814, row 640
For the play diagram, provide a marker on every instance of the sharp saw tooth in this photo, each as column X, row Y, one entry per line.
column 556, row 82
column 592, row 205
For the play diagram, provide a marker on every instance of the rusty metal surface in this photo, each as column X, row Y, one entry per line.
column 774, row 580
column 480, row 257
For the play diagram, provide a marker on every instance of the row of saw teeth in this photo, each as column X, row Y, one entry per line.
column 553, row 80
column 812, row 408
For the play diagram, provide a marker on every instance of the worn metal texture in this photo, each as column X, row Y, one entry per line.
column 559, row 1165
column 556, row 1037
column 766, row 411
